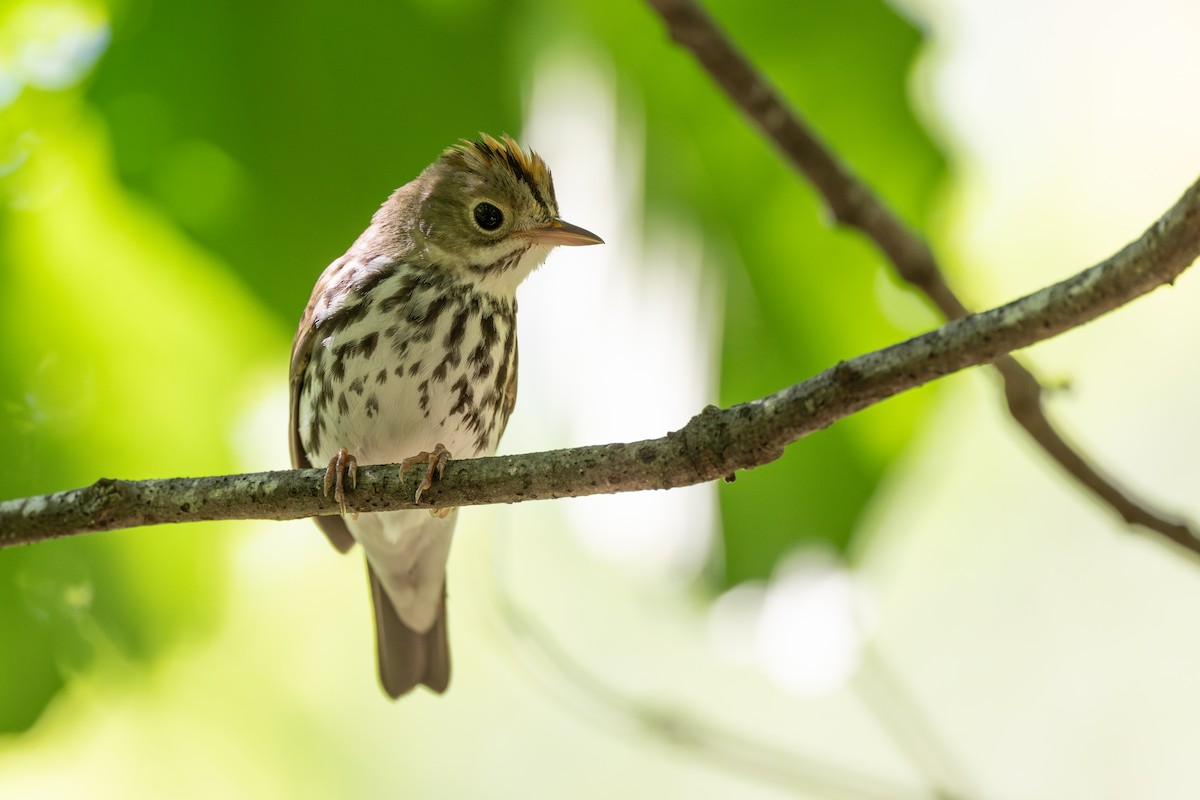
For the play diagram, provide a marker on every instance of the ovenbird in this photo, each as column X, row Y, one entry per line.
column 407, row 351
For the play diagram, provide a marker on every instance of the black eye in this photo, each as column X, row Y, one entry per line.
column 488, row 217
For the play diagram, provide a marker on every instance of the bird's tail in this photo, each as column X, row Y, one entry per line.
column 406, row 657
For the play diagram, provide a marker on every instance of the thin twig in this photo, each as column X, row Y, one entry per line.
column 853, row 204
column 714, row 444
column 905, row 723
column 600, row 701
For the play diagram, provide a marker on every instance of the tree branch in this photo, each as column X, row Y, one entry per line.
column 853, row 204
column 714, row 444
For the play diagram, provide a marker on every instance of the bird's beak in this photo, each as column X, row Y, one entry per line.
column 558, row 232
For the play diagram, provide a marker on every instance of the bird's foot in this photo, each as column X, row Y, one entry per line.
column 340, row 466
column 437, row 460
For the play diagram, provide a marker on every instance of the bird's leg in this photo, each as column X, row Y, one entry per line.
column 340, row 466
column 436, row 459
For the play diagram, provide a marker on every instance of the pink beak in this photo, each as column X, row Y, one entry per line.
column 558, row 232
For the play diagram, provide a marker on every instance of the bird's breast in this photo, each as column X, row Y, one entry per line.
column 419, row 358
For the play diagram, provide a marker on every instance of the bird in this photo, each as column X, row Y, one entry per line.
column 407, row 353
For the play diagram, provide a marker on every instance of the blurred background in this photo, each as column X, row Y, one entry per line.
column 913, row 603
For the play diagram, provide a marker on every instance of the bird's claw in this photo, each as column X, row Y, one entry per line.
column 340, row 466
column 437, row 460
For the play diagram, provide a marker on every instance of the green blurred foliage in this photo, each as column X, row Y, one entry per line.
column 271, row 131
column 125, row 350
column 164, row 220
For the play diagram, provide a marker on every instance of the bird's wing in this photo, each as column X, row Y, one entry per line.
column 334, row 526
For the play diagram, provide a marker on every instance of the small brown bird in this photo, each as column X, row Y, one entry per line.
column 407, row 352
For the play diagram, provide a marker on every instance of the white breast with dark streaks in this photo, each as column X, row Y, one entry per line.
column 427, row 361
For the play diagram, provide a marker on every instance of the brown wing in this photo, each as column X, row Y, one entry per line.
column 334, row 526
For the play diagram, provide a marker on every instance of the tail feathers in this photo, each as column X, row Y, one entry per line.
column 406, row 657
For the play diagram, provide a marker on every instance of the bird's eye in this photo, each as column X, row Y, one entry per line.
column 488, row 217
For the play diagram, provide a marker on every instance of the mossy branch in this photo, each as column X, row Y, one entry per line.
column 714, row 444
